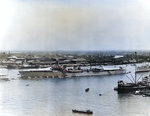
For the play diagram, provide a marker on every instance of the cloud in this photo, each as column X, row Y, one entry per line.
column 87, row 25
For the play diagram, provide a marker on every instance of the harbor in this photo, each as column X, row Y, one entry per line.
column 80, row 85
column 32, row 65
column 28, row 95
column 74, row 58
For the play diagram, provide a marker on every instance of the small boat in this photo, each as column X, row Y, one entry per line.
column 4, row 77
column 81, row 111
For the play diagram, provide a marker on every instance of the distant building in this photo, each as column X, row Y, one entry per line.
column 79, row 60
column 132, row 61
column 12, row 57
column 118, row 56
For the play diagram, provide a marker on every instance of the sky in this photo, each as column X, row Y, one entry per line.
column 49, row 25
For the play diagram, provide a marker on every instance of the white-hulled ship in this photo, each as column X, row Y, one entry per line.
column 143, row 68
column 97, row 71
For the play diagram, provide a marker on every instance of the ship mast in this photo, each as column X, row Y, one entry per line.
column 133, row 80
column 135, row 67
column 136, row 80
column 135, row 74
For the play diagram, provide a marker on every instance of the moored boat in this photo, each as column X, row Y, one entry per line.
column 130, row 87
column 4, row 77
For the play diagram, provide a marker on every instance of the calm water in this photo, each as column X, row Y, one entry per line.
column 57, row 97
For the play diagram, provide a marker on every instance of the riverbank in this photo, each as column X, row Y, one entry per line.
column 22, row 60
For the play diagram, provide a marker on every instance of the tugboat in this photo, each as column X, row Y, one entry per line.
column 133, row 86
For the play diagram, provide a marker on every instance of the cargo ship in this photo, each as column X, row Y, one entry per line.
column 134, row 85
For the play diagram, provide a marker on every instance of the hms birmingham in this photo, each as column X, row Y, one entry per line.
column 95, row 71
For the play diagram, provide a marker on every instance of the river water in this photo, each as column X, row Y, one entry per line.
column 57, row 97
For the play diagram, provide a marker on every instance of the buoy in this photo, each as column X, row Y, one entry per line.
column 87, row 89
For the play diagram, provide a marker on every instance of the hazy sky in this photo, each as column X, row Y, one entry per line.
column 74, row 25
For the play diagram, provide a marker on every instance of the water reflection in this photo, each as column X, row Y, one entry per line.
column 124, row 96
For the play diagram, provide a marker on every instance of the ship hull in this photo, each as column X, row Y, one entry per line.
column 98, row 73
column 130, row 89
